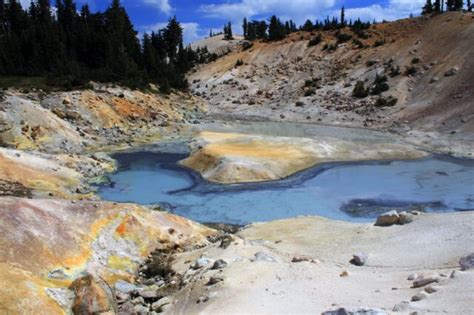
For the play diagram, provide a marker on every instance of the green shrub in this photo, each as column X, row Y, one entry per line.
column 239, row 63
column 358, row 43
column 360, row 91
column 315, row 40
column 379, row 42
column 380, row 85
column 342, row 37
column 389, row 101
column 411, row 70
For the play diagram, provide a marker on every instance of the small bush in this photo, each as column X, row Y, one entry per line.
column 380, row 85
column 379, row 42
column 411, row 71
column 389, row 101
column 415, row 60
column 394, row 71
column 360, row 91
column 361, row 34
column 315, row 40
column 342, row 37
column 370, row 62
column 358, row 43
column 247, row 46
column 239, row 63
column 330, row 47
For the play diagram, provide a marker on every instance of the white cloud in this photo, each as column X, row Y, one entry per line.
column 297, row 10
column 191, row 31
column 395, row 9
column 162, row 5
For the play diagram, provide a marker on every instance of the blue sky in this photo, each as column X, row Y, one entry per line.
column 199, row 16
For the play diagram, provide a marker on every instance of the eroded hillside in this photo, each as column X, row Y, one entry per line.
column 427, row 62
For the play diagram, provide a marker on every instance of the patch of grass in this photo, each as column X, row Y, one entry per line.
column 24, row 82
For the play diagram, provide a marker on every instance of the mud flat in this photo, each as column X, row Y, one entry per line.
column 235, row 158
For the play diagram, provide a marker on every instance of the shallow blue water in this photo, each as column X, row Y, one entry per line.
column 344, row 191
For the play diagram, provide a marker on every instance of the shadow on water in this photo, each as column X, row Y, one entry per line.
column 355, row 191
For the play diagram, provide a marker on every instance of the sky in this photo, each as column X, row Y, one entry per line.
column 198, row 17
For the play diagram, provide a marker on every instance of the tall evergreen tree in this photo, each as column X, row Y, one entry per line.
column 343, row 17
column 245, row 27
column 428, row 7
column 469, row 5
column 437, row 6
column 173, row 38
column 228, row 35
column 276, row 29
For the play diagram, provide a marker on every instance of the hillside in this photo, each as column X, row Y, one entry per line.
column 434, row 104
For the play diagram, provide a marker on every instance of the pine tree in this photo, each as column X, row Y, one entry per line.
column 469, row 5
column 276, row 30
column 437, row 6
column 451, row 5
column 228, row 31
column 428, row 7
column 173, row 37
column 245, row 27
column 343, row 17
column 308, row 26
column 458, row 5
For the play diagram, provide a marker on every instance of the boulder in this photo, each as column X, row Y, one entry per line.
column 92, row 296
column 388, row 218
column 467, row 262
column 201, row 263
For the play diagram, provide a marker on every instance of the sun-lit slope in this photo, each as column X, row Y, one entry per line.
column 88, row 119
column 271, row 83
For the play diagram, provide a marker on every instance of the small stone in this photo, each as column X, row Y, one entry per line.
column 401, row 307
column 125, row 287
column 434, row 80
column 214, row 280
column 345, row 273
column 297, row 259
column 122, row 297
column 261, row 256
column 419, row 296
column 412, row 277
column 201, row 263
column 355, row 311
column 140, row 309
column 451, row 72
column 138, row 301
column 359, row 259
column 430, row 289
column 422, row 281
column 388, row 218
column 219, row 264
column 158, row 305
column 149, row 294
column 203, row 299
column 467, row 262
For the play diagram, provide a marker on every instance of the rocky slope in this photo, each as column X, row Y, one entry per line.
column 47, row 244
column 290, row 81
column 91, row 120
